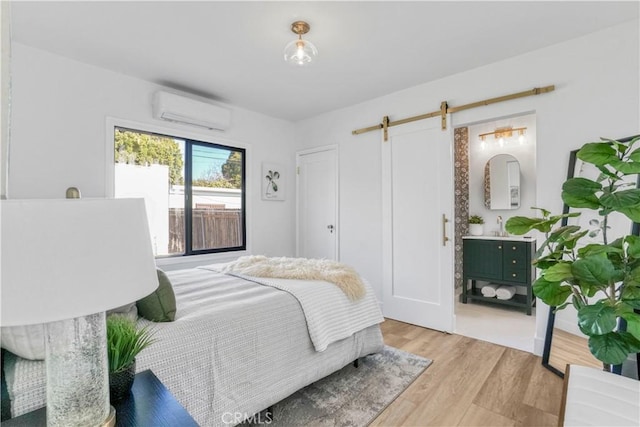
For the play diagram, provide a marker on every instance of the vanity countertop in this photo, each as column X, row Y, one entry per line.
column 509, row 238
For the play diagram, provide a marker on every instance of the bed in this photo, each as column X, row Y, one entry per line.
column 236, row 346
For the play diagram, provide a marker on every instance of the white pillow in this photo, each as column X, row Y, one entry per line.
column 128, row 310
column 28, row 341
column 24, row 341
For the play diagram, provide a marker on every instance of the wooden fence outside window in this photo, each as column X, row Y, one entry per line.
column 212, row 228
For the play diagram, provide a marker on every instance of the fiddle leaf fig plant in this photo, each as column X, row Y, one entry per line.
column 601, row 280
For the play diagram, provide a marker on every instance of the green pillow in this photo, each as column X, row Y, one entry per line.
column 160, row 306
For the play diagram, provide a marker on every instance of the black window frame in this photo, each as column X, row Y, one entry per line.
column 188, row 192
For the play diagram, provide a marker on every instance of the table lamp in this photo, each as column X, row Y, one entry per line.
column 64, row 263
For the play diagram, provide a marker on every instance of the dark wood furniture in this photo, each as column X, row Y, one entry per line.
column 150, row 404
column 501, row 261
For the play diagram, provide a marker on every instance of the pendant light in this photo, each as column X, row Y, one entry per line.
column 300, row 52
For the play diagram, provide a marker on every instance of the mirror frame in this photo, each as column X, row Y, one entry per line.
column 635, row 230
column 487, row 191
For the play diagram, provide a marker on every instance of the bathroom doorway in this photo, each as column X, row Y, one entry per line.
column 495, row 194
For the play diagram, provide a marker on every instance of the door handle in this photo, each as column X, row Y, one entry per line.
column 445, row 239
column 330, row 227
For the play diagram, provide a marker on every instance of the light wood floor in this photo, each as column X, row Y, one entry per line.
column 470, row 383
column 569, row 348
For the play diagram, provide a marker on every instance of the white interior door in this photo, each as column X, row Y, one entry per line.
column 317, row 203
column 417, row 180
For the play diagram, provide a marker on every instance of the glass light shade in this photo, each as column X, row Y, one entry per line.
column 300, row 52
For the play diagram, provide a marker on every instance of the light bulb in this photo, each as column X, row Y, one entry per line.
column 521, row 139
column 300, row 50
column 501, row 142
column 483, row 145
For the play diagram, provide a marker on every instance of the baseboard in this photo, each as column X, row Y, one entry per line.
column 538, row 346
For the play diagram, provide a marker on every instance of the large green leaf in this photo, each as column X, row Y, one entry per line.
column 633, row 324
column 521, row 224
column 621, row 199
column 562, row 232
column 611, row 348
column 631, row 293
column 597, row 249
column 635, row 155
column 633, row 342
column 597, row 153
column 588, row 202
column 581, row 186
column 617, row 243
column 552, row 293
column 559, row 272
column 581, row 193
column 571, row 241
column 593, row 270
column 606, row 173
column 633, row 246
column 627, row 168
column 633, row 213
column 597, row 319
column 545, row 263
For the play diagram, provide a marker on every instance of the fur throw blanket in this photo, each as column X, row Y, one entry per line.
column 337, row 273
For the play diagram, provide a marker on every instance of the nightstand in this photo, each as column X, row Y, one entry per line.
column 150, row 404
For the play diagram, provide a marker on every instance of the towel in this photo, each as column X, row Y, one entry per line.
column 489, row 291
column 505, row 292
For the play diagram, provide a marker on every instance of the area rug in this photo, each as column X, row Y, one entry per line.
column 351, row 397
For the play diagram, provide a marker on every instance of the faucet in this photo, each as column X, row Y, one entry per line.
column 501, row 232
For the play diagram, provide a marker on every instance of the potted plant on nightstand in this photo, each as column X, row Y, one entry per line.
column 476, row 225
column 124, row 341
column 601, row 280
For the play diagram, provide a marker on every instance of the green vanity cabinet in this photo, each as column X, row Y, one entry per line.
column 502, row 261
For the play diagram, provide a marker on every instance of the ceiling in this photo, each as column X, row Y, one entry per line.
column 233, row 51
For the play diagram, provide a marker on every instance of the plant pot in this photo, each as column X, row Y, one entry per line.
column 120, row 383
column 476, row 229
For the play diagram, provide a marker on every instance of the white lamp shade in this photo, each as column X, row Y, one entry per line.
column 62, row 259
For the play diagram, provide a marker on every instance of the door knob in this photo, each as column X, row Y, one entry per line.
column 330, row 227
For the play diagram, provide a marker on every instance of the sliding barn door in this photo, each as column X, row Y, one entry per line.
column 417, row 196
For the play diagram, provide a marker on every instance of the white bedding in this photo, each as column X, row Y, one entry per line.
column 326, row 326
column 236, row 346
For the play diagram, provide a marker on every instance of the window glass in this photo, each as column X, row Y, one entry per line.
column 193, row 190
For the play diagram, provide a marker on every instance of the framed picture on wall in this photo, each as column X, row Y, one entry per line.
column 273, row 181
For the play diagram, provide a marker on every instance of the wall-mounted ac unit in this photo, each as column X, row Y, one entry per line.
column 179, row 109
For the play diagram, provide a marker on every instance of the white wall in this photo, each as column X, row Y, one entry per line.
column 152, row 184
column 478, row 158
column 525, row 154
column 60, row 108
column 5, row 85
column 597, row 94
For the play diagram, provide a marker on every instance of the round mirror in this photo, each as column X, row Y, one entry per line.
column 502, row 183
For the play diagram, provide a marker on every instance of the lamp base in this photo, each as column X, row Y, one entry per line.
column 111, row 419
column 77, row 372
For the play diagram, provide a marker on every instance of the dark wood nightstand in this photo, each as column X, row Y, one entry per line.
column 150, row 404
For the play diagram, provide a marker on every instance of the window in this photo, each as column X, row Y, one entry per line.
column 194, row 191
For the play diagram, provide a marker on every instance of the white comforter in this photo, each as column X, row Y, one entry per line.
column 330, row 314
column 235, row 347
